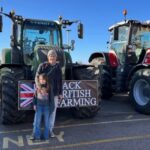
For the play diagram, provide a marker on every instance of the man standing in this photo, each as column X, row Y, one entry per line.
column 53, row 71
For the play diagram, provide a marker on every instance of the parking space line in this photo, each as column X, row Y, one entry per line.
column 15, row 131
column 99, row 141
column 104, row 122
column 118, row 112
column 83, row 124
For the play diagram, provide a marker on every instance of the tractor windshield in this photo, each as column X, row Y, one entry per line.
column 140, row 39
column 39, row 32
column 119, row 45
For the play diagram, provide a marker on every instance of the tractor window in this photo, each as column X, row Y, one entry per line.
column 39, row 35
column 55, row 35
column 140, row 39
column 119, row 46
column 19, row 34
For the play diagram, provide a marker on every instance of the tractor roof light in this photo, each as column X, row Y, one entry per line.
column 125, row 14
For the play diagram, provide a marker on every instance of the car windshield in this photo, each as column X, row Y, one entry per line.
column 37, row 33
column 119, row 46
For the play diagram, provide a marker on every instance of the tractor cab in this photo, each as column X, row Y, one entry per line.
column 129, row 44
column 31, row 39
column 38, row 32
column 130, row 40
column 37, row 38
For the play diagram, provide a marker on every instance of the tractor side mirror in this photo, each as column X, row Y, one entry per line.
column 116, row 34
column 1, row 23
column 69, row 47
column 80, row 30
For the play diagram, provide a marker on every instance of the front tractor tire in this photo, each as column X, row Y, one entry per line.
column 140, row 91
column 9, row 96
column 90, row 73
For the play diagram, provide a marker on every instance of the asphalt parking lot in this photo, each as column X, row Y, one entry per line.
column 116, row 127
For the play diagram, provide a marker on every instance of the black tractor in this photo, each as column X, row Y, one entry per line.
column 126, row 67
column 31, row 39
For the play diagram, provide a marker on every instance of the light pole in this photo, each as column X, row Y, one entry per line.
column 68, row 38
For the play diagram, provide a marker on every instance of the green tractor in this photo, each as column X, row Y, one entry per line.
column 31, row 40
column 126, row 67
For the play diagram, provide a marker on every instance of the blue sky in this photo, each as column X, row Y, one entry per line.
column 96, row 15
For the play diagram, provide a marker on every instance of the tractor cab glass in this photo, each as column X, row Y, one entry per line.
column 118, row 41
column 1, row 23
column 140, row 39
column 37, row 33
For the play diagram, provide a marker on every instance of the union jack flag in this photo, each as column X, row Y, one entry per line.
column 26, row 93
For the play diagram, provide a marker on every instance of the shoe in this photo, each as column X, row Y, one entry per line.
column 36, row 140
column 52, row 135
column 31, row 137
column 46, row 140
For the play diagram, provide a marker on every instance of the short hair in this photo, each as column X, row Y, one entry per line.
column 52, row 52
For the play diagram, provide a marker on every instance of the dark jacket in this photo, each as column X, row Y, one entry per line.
column 54, row 76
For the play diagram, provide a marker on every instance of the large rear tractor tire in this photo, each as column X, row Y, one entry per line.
column 106, row 81
column 2, row 72
column 9, row 96
column 106, row 84
column 140, row 91
column 90, row 73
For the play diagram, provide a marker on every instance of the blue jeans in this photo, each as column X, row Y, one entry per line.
column 53, row 115
column 41, row 110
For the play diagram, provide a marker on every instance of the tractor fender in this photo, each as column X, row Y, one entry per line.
column 110, row 58
column 11, row 66
column 95, row 55
column 135, row 69
column 6, row 56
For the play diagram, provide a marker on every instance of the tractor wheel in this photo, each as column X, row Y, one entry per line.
column 106, row 84
column 140, row 91
column 90, row 73
column 2, row 72
column 106, row 81
column 9, row 96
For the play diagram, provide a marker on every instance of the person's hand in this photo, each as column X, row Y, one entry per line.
column 60, row 97
column 39, row 90
column 34, row 107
